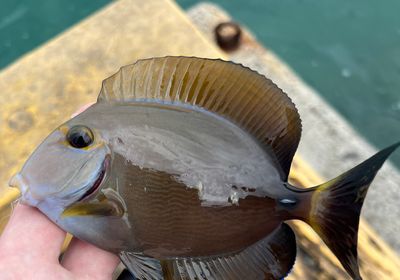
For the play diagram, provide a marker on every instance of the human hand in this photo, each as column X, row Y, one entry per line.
column 30, row 248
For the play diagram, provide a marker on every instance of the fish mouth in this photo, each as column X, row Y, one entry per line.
column 98, row 182
column 18, row 182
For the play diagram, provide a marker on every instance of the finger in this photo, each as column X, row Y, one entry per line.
column 29, row 232
column 86, row 260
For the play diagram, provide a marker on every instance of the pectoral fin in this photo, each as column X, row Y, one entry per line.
column 101, row 208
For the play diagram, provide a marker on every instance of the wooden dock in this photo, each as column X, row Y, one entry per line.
column 43, row 88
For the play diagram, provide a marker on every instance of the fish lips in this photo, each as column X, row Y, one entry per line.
column 18, row 182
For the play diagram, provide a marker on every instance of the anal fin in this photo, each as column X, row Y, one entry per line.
column 142, row 267
column 270, row 258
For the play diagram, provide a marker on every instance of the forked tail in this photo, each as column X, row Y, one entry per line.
column 333, row 208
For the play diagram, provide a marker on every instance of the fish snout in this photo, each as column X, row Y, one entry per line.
column 18, row 182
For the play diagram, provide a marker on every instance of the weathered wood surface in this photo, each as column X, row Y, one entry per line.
column 42, row 89
column 45, row 87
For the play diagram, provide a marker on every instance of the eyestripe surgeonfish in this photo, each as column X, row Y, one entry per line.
column 181, row 168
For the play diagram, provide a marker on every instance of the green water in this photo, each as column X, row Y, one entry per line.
column 348, row 50
column 25, row 24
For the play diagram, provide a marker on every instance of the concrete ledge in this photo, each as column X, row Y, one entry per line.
column 329, row 144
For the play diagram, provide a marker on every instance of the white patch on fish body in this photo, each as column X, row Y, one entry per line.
column 200, row 188
column 234, row 198
column 200, row 150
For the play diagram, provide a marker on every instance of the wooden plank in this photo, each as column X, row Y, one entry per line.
column 42, row 89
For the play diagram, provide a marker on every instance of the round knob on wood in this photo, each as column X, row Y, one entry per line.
column 227, row 35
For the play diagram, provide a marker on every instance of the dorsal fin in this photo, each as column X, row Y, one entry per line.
column 227, row 89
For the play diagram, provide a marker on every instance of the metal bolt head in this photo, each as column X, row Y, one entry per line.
column 228, row 35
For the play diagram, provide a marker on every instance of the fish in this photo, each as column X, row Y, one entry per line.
column 181, row 168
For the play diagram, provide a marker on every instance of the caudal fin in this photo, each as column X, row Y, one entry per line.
column 334, row 209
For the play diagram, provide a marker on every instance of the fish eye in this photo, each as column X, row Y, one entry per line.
column 80, row 136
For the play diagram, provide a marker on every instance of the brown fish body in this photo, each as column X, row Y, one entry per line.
column 181, row 168
column 173, row 223
column 186, row 197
